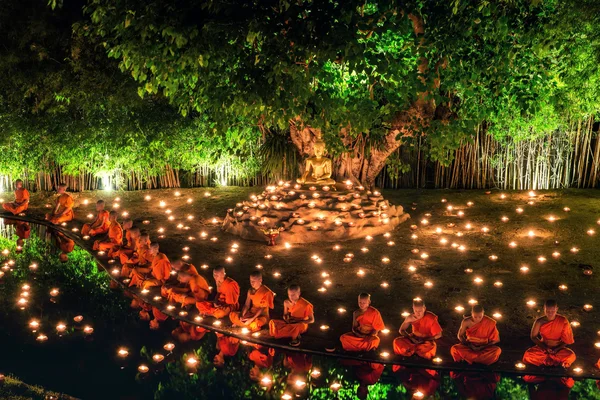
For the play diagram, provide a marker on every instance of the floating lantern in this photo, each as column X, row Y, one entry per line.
column 143, row 368
column 78, row 318
column 169, row 347
column 88, row 330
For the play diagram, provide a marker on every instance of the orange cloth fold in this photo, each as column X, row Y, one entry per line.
column 426, row 326
column 553, row 332
column 368, row 322
column 100, row 225
column 115, row 238
column 280, row 329
column 65, row 203
column 160, row 271
column 20, row 204
column 228, row 297
column 479, row 334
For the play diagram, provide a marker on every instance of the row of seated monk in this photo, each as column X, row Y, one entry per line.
column 145, row 267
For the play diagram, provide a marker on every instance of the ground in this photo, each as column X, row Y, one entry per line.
column 391, row 284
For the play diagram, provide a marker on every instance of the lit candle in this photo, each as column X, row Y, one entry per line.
column 78, row 318
column 520, row 365
column 588, row 307
column 563, row 287
column 123, row 352
column 169, row 347
column 88, row 330
column 143, row 368
column 158, row 357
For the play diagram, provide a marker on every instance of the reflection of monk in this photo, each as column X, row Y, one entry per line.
column 63, row 210
column 423, row 380
column 551, row 334
column 476, row 385
column 262, row 357
column 366, row 373
column 317, row 169
column 22, row 230
column 21, row 199
column 549, row 388
column 478, row 337
column 227, row 346
column 65, row 245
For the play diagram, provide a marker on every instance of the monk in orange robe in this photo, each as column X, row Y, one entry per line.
column 128, row 246
column 100, row 224
column 478, row 337
column 140, row 257
column 228, row 347
column 65, row 245
column 228, row 296
column 195, row 288
column 259, row 300
column 21, row 199
column 114, row 237
column 366, row 324
column 156, row 274
column 63, row 211
column 425, row 330
column 297, row 315
column 551, row 334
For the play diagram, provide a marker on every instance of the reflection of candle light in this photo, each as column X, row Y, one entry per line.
column 158, row 357
column 78, row 318
column 41, row 338
column 88, row 330
column 34, row 324
column 143, row 368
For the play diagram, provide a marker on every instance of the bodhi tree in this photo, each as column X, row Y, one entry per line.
column 370, row 75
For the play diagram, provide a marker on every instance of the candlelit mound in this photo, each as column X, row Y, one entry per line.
column 307, row 214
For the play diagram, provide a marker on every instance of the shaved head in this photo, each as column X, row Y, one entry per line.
column 477, row 309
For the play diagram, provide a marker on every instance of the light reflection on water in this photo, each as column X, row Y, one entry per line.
column 88, row 365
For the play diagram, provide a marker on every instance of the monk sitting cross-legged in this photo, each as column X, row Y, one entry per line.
column 100, row 224
column 366, row 324
column 551, row 334
column 127, row 226
column 297, row 314
column 478, row 337
column 21, row 199
column 114, row 237
column 425, row 330
column 255, row 313
column 63, row 211
column 227, row 299
column 195, row 289
column 140, row 257
column 154, row 275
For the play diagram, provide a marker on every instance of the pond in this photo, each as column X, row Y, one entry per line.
column 64, row 328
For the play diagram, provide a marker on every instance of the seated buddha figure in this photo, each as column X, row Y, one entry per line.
column 317, row 169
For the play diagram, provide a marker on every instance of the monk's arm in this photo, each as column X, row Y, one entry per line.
column 535, row 331
column 246, row 304
column 428, row 338
column 143, row 270
column 257, row 314
column 403, row 328
column 462, row 337
column 286, row 311
column 355, row 326
column 311, row 318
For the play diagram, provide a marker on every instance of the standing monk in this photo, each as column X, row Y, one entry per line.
column 63, row 211
column 100, row 224
column 156, row 274
column 21, row 199
column 259, row 300
column 551, row 334
column 228, row 296
column 425, row 330
column 366, row 324
column 478, row 337
column 115, row 235
column 297, row 314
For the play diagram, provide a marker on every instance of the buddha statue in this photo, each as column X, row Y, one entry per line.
column 317, row 169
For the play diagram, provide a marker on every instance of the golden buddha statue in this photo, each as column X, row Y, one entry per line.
column 317, row 169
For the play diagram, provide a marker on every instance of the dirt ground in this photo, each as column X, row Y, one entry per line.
column 392, row 284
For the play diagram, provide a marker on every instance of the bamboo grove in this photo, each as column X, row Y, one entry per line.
column 450, row 94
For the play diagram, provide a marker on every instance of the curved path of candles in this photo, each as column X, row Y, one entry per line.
column 320, row 336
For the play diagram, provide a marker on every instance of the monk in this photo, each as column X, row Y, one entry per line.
column 255, row 313
column 478, row 337
column 297, row 315
column 129, row 244
column 227, row 346
column 154, row 275
column 21, row 202
column 228, row 296
column 551, row 334
column 425, row 330
column 140, row 257
column 195, row 289
column 100, row 224
column 65, row 245
column 366, row 324
column 63, row 211
column 114, row 237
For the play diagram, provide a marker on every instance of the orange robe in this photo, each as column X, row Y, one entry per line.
column 160, row 271
column 140, row 257
column 65, row 202
column 479, row 334
column 552, row 332
column 20, row 204
column 126, row 249
column 261, row 299
column 198, row 289
column 228, row 297
column 228, row 346
column 425, row 327
column 115, row 238
column 99, row 226
column 368, row 322
column 280, row 329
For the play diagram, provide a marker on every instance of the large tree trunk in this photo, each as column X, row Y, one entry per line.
column 357, row 164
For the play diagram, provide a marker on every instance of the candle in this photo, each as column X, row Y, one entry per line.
column 520, row 365
column 143, row 368
column 123, row 352
column 588, row 307
column 158, row 357
column 78, row 318
column 169, row 347
column 497, row 315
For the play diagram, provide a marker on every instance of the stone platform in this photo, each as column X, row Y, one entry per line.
column 307, row 214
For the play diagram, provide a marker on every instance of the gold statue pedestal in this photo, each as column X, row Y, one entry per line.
column 308, row 213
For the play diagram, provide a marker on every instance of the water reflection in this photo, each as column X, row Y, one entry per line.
column 180, row 360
